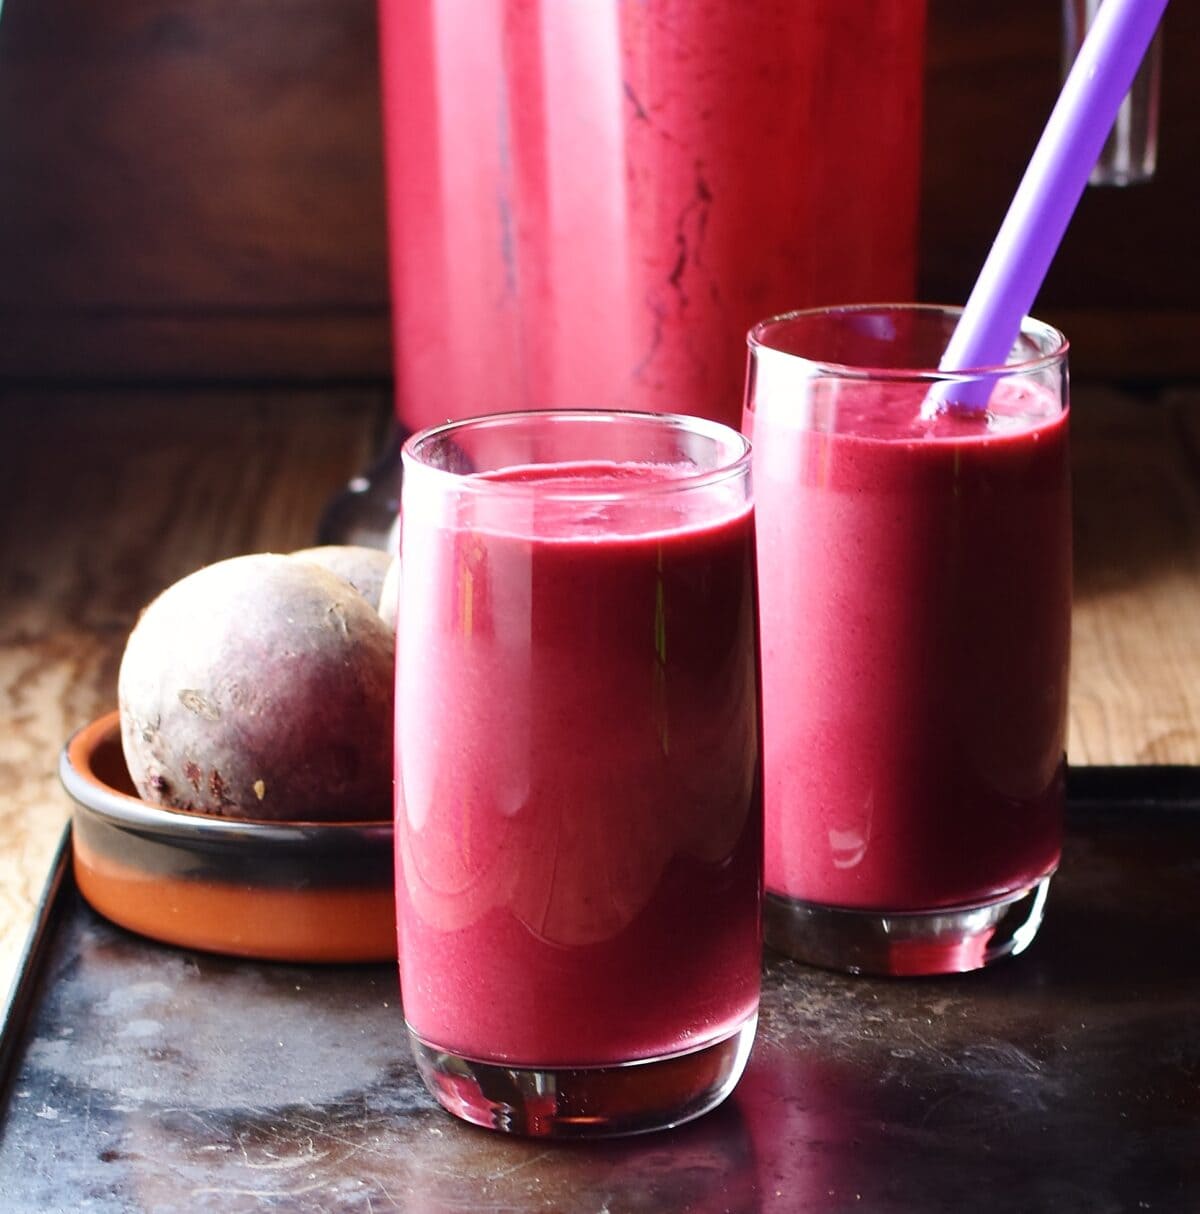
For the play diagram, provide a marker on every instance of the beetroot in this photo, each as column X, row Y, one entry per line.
column 261, row 687
column 364, row 568
column 389, row 595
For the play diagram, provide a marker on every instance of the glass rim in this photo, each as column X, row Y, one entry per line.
column 727, row 437
column 1038, row 330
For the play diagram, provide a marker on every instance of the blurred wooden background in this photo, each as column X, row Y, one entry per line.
column 193, row 191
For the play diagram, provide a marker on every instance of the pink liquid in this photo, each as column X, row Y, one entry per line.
column 915, row 648
column 590, row 203
column 579, row 823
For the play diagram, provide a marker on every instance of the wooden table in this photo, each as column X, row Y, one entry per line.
column 107, row 497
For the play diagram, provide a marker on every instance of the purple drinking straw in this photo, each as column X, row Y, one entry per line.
column 1028, row 238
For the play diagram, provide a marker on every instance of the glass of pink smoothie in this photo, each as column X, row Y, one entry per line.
column 914, row 540
column 578, row 809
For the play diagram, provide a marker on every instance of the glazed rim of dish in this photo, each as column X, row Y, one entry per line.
column 98, row 796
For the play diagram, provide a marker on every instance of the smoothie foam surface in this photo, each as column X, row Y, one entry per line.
column 596, row 501
column 893, row 412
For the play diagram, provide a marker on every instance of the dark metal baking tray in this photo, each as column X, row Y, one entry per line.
column 140, row 1077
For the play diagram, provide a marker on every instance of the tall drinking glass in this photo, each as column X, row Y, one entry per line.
column 578, row 768
column 915, row 577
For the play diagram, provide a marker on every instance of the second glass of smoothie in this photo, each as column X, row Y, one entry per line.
column 915, row 576
column 578, row 817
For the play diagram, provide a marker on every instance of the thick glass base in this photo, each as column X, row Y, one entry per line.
column 952, row 940
column 586, row 1102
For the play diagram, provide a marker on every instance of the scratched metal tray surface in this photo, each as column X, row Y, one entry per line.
column 139, row 1077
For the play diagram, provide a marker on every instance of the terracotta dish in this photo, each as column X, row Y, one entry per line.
column 286, row 891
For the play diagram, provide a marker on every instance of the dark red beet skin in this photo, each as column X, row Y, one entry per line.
column 261, row 687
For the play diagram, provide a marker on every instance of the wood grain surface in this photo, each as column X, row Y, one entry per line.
column 107, row 498
column 1135, row 689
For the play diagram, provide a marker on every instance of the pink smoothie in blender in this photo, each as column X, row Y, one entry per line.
column 590, row 203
